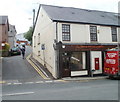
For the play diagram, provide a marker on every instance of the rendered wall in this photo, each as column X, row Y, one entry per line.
column 80, row 33
column 45, row 34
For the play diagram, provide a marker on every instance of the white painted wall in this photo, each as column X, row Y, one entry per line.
column 46, row 28
column 78, row 73
column 104, row 35
column 80, row 33
column 96, row 54
column 84, row 60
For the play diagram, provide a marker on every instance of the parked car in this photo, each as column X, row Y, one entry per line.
column 15, row 51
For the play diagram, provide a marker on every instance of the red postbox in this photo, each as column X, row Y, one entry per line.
column 96, row 63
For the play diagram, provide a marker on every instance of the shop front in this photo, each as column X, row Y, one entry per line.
column 81, row 59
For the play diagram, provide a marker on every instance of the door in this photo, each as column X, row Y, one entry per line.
column 66, row 65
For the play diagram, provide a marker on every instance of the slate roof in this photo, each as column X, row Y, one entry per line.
column 77, row 15
column 3, row 19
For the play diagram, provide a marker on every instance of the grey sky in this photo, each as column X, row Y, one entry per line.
column 19, row 11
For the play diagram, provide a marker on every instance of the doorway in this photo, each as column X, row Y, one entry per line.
column 66, row 64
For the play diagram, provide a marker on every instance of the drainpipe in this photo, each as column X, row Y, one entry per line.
column 57, row 52
column 33, row 17
column 56, row 32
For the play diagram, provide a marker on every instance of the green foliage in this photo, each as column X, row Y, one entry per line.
column 29, row 34
column 5, row 51
column 7, row 47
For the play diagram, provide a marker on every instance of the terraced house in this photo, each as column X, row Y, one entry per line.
column 72, row 41
column 4, row 28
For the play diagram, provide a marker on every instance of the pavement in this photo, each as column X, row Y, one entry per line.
column 43, row 72
column 84, row 78
column 1, row 69
column 47, row 75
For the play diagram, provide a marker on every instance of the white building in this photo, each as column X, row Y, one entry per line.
column 20, row 37
column 71, row 41
column 11, row 35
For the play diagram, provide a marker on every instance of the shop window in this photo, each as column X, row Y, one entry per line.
column 34, row 41
column 38, row 53
column 76, row 61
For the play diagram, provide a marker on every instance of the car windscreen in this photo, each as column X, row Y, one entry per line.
column 14, row 49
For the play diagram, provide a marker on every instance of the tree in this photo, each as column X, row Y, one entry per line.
column 28, row 34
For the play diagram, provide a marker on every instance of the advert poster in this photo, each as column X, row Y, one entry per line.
column 111, row 62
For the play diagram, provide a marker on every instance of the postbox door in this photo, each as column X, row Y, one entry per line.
column 97, row 64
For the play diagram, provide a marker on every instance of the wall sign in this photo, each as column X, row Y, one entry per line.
column 43, row 46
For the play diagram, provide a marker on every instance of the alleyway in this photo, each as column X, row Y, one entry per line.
column 16, row 69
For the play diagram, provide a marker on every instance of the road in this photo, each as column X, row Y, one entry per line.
column 91, row 90
column 24, row 83
column 16, row 69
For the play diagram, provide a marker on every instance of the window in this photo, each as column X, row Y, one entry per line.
column 76, row 61
column 93, row 33
column 65, row 32
column 38, row 53
column 114, row 34
column 38, row 38
column 34, row 41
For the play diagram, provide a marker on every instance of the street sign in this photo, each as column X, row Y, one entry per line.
column 43, row 46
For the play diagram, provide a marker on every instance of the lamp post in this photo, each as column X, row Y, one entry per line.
column 33, row 17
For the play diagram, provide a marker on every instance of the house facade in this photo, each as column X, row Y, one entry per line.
column 4, row 28
column 71, row 41
column 11, row 35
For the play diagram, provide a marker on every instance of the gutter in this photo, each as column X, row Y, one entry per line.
column 77, row 22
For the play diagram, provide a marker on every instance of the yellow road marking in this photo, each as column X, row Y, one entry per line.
column 61, row 81
column 36, row 68
column 2, row 82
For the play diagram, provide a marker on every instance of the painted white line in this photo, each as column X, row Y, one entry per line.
column 39, row 82
column 9, row 83
column 56, row 80
column 17, row 83
column 14, row 94
column 29, row 82
column 49, row 81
